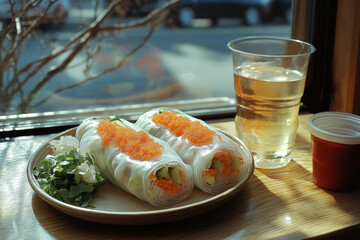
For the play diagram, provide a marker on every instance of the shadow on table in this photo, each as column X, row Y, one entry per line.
column 295, row 178
column 349, row 233
column 292, row 171
column 253, row 207
column 349, row 202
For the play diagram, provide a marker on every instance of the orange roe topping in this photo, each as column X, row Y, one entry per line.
column 210, row 172
column 241, row 162
column 225, row 158
column 137, row 145
column 178, row 125
column 167, row 184
column 182, row 176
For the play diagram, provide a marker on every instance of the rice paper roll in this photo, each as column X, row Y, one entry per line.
column 216, row 159
column 135, row 161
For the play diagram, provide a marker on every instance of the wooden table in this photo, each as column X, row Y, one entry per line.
column 282, row 203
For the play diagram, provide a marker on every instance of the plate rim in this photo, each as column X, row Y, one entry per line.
column 122, row 217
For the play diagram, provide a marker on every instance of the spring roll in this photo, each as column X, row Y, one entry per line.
column 216, row 159
column 135, row 161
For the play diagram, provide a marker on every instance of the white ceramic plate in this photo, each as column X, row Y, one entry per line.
column 115, row 206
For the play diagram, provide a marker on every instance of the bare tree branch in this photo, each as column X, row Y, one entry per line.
column 20, row 39
column 80, row 42
column 152, row 18
column 115, row 67
column 79, row 37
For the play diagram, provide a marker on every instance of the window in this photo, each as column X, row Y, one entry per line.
column 185, row 63
column 333, row 27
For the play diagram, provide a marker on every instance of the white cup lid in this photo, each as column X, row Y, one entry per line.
column 335, row 127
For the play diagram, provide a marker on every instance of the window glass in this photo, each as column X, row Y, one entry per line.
column 60, row 73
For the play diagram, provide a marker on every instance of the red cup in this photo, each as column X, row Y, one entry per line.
column 335, row 147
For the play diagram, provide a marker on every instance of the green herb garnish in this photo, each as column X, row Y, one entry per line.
column 69, row 177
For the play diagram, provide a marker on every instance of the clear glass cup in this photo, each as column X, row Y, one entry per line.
column 269, row 79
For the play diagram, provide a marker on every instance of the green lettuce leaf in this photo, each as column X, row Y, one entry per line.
column 60, row 177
